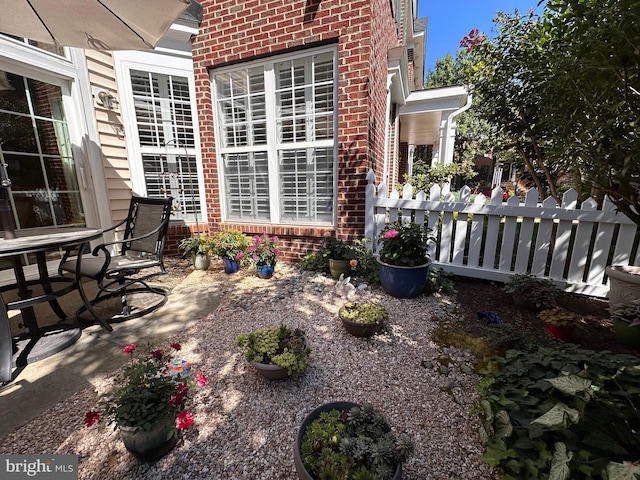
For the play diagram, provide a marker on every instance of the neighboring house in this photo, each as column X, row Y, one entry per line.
column 261, row 115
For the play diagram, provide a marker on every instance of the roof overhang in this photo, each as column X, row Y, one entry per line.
column 424, row 110
column 398, row 74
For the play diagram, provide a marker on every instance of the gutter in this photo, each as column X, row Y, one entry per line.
column 447, row 139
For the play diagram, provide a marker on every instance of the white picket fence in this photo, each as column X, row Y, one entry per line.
column 491, row 239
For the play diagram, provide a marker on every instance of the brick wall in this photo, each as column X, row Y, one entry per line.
column 233, row 32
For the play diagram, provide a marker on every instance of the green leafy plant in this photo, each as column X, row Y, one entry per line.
column 230, row 243
column 197, row 245
column 405, row 244
column 561, row 413
column 367, row 313
column 278, row 346
column 628, row 312
column 439, row 281
column 540, row 293
column 560, row 317
column 151, row 387
column 360, row 255
column 264, row 250
column 355, row 444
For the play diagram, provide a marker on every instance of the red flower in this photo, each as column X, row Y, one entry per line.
column 91, row 418
column 157, row 354
column 183, row 388
column 129, row 348
column 175, row 400
column 176, row 346
column 201, row 380
column 184, row 420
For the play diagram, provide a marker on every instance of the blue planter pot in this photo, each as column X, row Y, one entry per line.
column 265, row 271
column 403, row 282
column 230, row 266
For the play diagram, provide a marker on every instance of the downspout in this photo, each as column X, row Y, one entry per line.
column 385, row 172
column 448, row 152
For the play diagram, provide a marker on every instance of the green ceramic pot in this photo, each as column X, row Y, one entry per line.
column 339, row 267
column 626, row 334
column 149, row 446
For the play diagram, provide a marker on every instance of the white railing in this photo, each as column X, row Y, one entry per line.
column 491, row 239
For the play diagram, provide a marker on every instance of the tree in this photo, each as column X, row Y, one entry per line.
column 565, row 89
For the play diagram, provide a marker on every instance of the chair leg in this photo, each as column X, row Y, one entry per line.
column 126, row 311
column 89, row 307
column 6, row 345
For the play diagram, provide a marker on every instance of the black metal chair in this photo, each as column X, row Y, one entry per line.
column 141, row 249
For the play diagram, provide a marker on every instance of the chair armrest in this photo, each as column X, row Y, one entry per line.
column 127, row 240
column 119, row 224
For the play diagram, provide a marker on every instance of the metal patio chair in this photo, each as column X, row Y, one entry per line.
column 140, row 258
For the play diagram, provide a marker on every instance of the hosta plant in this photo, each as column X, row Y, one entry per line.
column 353, row 444
column 628, row 312
column 280, row 346
column 561, row 414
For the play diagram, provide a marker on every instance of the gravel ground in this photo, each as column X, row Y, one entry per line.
column 245, row 426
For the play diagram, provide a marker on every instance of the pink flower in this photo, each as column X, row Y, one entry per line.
column 184, row 420
column 201, row 380
column 91, row 418
column 391, row 234
column 157, row 354
column 353, row 263
column 239, row 256
column 176, row 346
column 252, row 248
column 129, row 348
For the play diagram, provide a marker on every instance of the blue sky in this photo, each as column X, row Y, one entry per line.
column 451, row 20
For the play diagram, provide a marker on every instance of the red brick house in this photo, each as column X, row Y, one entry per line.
column 297, row 100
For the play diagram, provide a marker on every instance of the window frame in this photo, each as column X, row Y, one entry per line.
column 273, row 146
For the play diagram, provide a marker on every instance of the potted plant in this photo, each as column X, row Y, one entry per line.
column 276, row 353
column 231, row 246
column 342, row 256
column 404, row 259
column 264, row 254
column 345, row 440
column 560, row 322
column 148, row 403
column 624, row 284
column 531, row 292
column 197, row 249
column 363, row 319
column 626, row 323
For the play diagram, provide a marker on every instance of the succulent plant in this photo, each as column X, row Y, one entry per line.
column 278, row 346
column 353, row 444
column 560, row 317
column 367, row 313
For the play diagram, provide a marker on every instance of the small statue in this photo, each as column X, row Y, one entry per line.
column 344, row 288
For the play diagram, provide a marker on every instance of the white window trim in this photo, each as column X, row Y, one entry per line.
column 271, row 146
column 150, row 62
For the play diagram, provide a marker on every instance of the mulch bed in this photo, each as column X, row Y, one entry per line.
column 483, row 296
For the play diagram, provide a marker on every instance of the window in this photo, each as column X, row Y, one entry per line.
column 36, row 148
column 166, row 136
column 276, row 139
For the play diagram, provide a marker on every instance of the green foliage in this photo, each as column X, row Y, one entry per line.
column 405, row 244
column 564, row 88
column 264, row 250
column 628, row 312
column 424, row 176
column 368, row 313
column 230, row 243
column 366, row 266
column 355, row 444
column 200, row 244
column 560, row 317
column 558, row 414
column 540, row 292
column 439, row 281
column 278, row 346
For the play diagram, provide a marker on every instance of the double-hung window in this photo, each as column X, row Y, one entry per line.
column 276, row 124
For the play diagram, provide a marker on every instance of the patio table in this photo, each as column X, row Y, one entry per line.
column 37, row 342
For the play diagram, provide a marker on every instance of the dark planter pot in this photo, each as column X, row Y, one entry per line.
column 230, row 266
column 403, row 282
column 358, row 329
column 152, row 445
column 626, row 334
column 269, row 371
column 339, row 267
column 265, row 271
column 201, row 262
column 526, row 304
column 561, row 333
column 297, row 454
